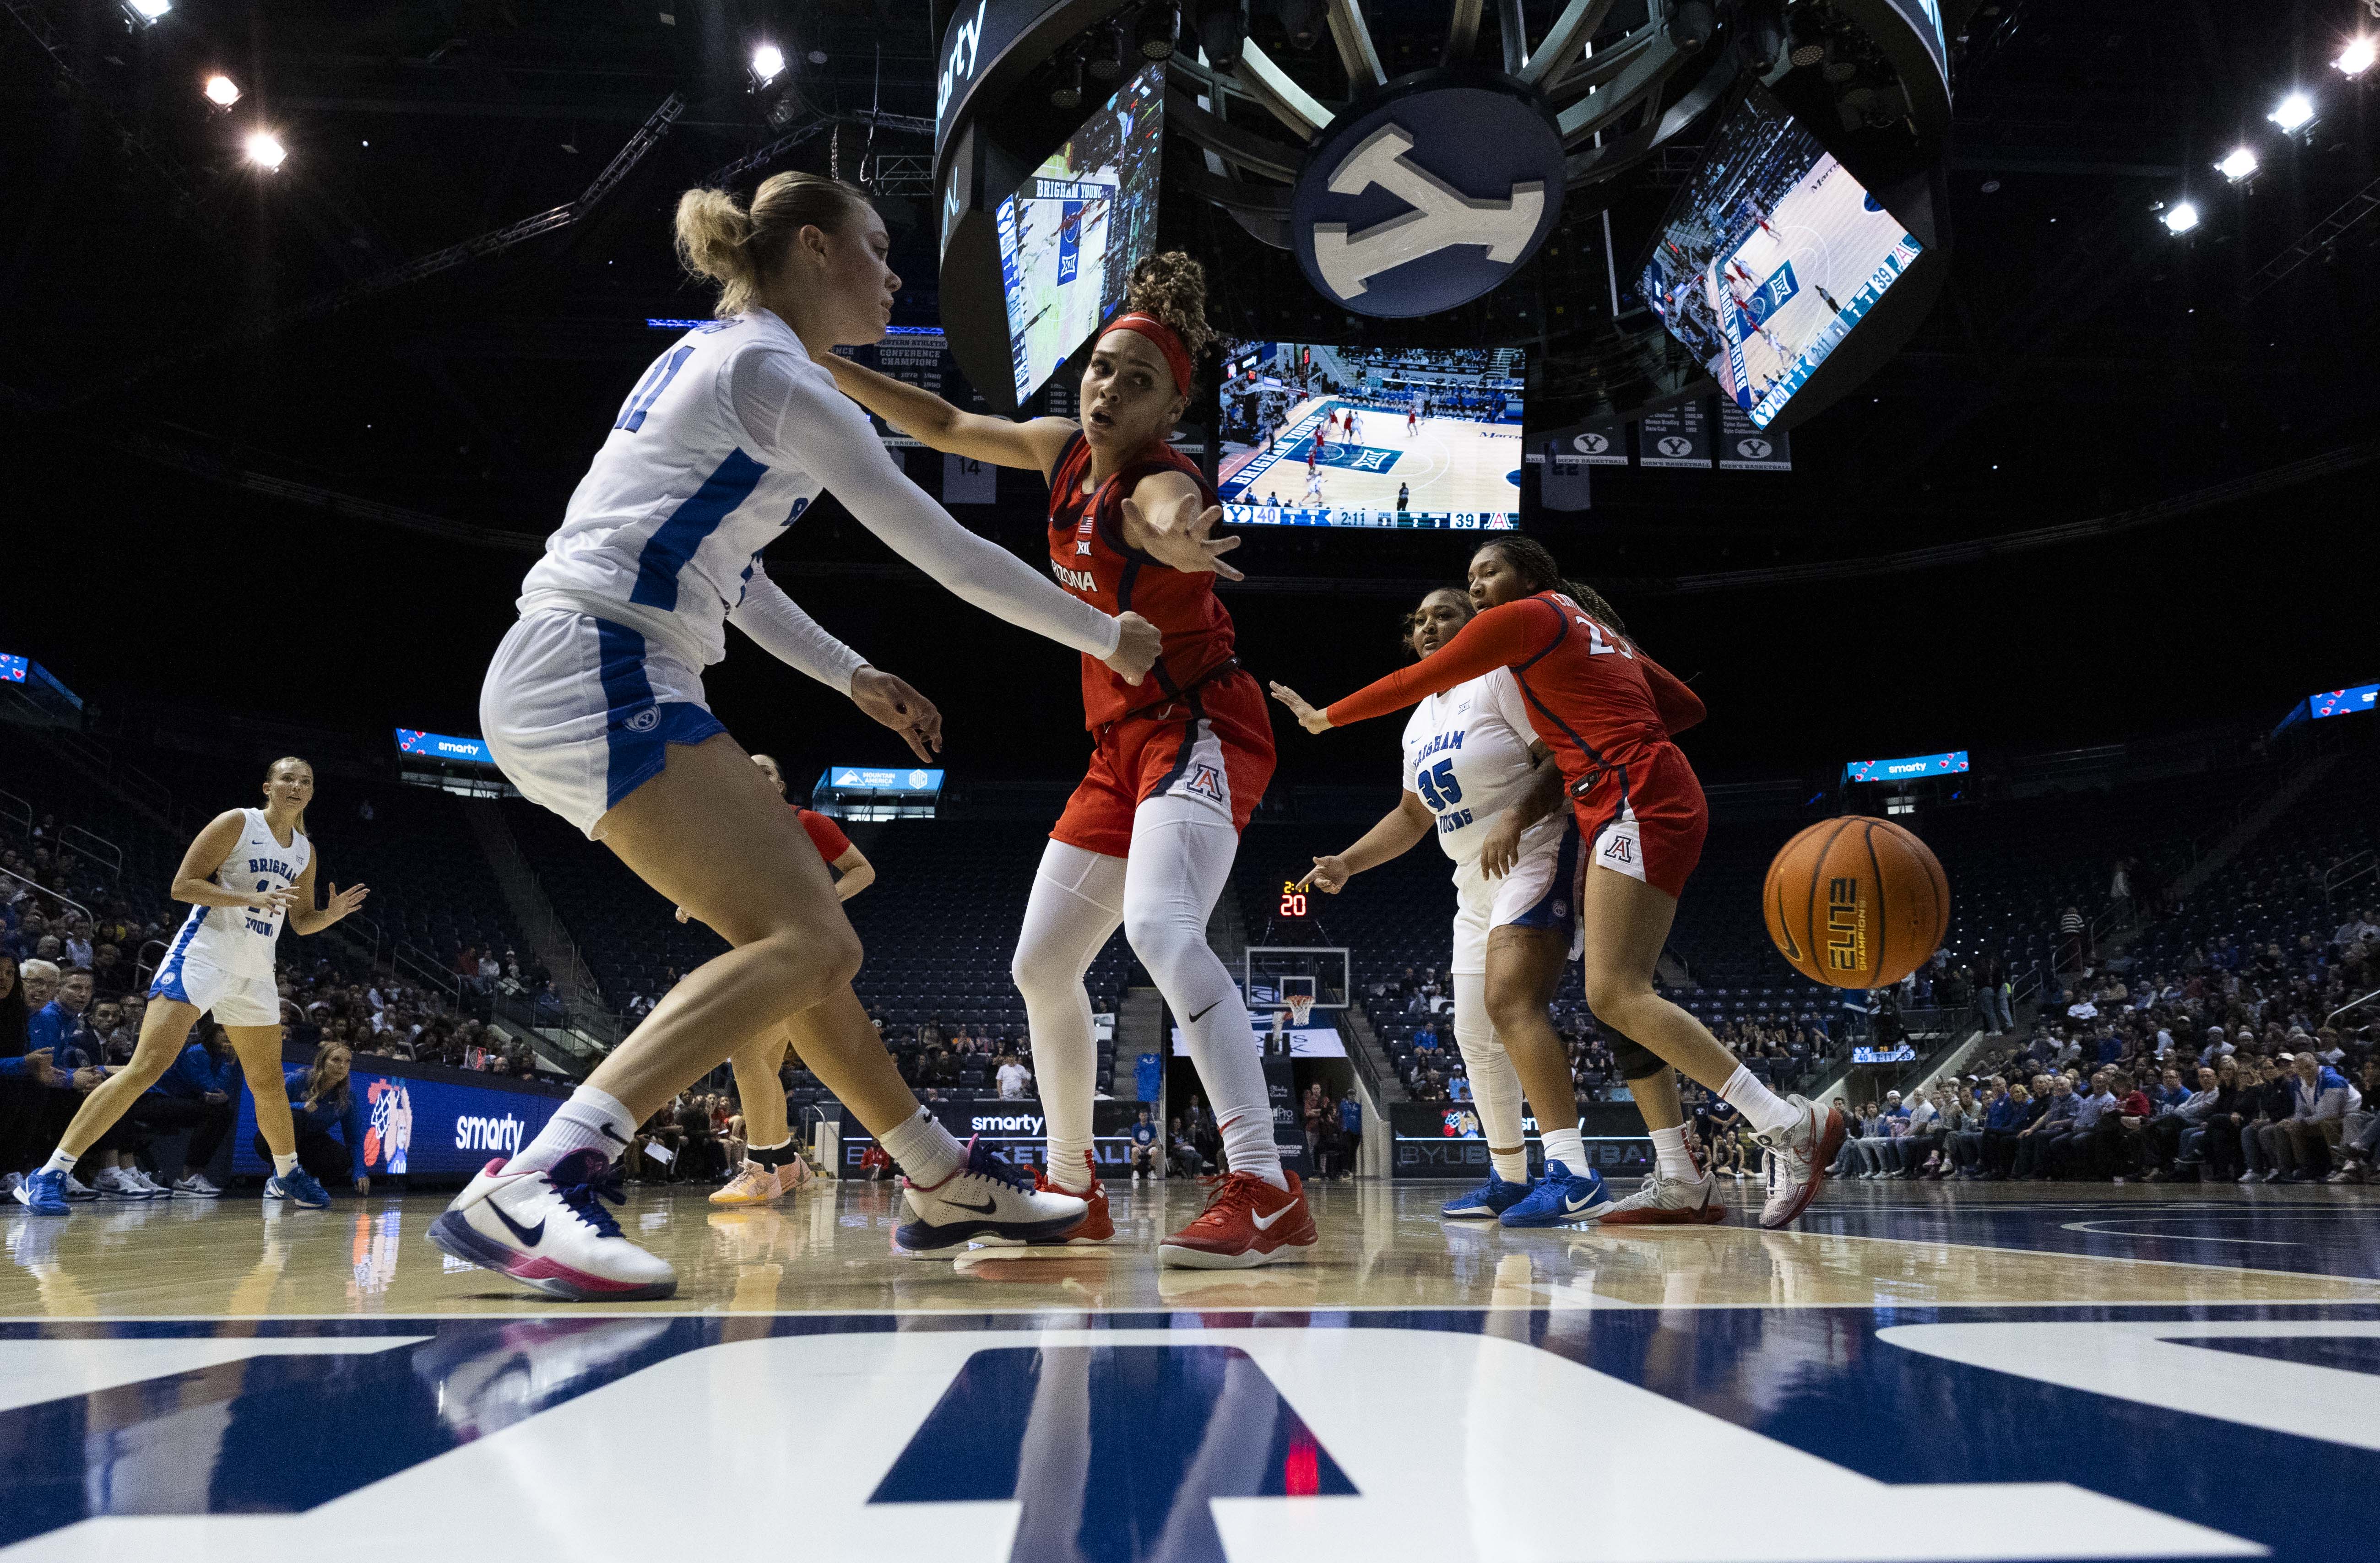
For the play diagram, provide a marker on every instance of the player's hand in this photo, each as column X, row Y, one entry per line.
column 1502, row 849
column 1329, row 874
column 38, row 1068
column 681, row 914
column 88, row 1079
column 342, row 901
column 1137, row 645
column 890, row 701
column 1178, row 533
column 1308, row 717
column 281, row 899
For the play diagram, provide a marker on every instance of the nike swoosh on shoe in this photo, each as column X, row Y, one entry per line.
column 528, row 1236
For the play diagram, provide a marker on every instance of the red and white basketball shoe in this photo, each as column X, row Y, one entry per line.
column 1248, row 1223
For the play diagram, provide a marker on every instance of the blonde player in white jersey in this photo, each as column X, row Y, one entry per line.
column 1476, row 777
column 250, row 871
column 593, row 708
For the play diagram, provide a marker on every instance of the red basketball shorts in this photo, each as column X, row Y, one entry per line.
column 1645, row 819
column 1212, row 744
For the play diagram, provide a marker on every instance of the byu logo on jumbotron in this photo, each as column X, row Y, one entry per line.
column 1428, row 195
column 1675, row 445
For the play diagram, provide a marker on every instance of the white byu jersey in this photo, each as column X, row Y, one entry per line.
column 1467, row 755
column 240, row 940
column 668, row 524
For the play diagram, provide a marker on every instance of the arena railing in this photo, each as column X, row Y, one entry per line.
column 98, row 848
column 2363, row 864
column 59, row 896
column 15, row 815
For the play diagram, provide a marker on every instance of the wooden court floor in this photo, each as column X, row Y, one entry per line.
column 2048, row 1372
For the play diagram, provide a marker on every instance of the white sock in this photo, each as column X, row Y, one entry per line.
column 1180, row 860
column 1669, row 1151
column 1077, row 904
column 1768, row 1111
column 1568, row 1147
column 924, row 1149
column 284, row 1164
column 61, row 1160
column 590, row 1119
column 1495, row 1084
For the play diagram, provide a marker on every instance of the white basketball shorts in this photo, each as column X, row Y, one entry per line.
column 579, row 711
column 1540, row 892
column 232, row 998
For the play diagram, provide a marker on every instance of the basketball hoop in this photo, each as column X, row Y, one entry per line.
column 1301, row 1005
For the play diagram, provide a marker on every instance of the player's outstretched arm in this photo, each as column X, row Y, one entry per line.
column 792, row 413
column 1034, row 446
column 1398, row 831
column 1497, row 637
column 1167, row 518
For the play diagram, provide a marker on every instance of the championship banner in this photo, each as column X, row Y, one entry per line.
column 966, row 480
column 1288, row 1119
column 1678, row 436
column 1595, row 444
column 1743, row 448
column 917, row 356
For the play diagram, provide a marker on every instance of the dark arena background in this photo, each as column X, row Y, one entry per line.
column 1971, row 402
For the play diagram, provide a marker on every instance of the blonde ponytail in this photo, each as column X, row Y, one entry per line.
column 740, row 247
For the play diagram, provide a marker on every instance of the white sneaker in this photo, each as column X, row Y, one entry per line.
column 197, row 1186
column 156, row 1190
column 549, row 1230
column 78, row 1190
column 987, row 1197
column 114, row 1182
column 1661, row 1201
column 2247, row 1177
column 1797, row 1157
column 2271, row 1177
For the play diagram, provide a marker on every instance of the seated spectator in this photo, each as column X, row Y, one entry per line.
column 2320, row 1099
column 196, row 1092
column 1012, row 1080
column 328, row 1119
column 2360, row 1129
column 1146, row 1155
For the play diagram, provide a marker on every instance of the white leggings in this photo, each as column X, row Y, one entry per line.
column 1180, row 862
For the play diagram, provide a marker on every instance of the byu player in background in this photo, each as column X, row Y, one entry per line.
column 1476, row 777
column 593, row 708
column 248, row 872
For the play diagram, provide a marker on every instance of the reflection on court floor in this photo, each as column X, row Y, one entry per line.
column 1926, row 1377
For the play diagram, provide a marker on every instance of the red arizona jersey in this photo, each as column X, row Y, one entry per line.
column 1088, row 556
column 824, row 834
column 1596, row 700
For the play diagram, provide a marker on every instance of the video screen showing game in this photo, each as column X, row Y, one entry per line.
column 1422, row 438
column 1769, row 257
column 1071, row 235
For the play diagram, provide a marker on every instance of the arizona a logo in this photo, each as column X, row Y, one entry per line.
column 1207, row 781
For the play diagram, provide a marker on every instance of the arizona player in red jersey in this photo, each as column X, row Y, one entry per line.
column 773, row 1167
column 1608, row 711
column 1178, row 762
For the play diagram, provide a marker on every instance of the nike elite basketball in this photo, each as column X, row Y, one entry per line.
column 1856, row 903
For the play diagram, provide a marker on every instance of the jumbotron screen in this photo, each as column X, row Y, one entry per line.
column 1071, row 235
column 1769, row 257
column 1423, row 437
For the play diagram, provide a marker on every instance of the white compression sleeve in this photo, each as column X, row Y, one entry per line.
column 777, row 624
column 1076, row 903
column 794, row 414
column 1495, row 1084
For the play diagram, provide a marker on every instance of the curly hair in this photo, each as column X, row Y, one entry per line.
column 1536, row 565
column 1171, row 286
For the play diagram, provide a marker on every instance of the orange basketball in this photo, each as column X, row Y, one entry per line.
column 1856, row 903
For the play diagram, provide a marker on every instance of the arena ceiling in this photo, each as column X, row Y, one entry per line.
column 402, row 347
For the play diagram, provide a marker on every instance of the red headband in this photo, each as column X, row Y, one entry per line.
column 1177, row 357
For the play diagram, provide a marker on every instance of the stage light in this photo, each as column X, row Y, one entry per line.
column 1155, row 29
column 1222, row 28
column 1302, row 19
column 221, row 91
column 768, row 64
column 1068, row 93
column 1106, row 55
column 2356, row 58
column 266, row 151
column 2182, row 217
column 146, row 13
column 1760, row 33
column 1692, row 23
column 2238, row 166
column 2293, row 113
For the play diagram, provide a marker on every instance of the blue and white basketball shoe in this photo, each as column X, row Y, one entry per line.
column 987, row 1198
column 1486, row 1202
column 43, row 1193
column 1561, row 1198
column 299, row 1185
